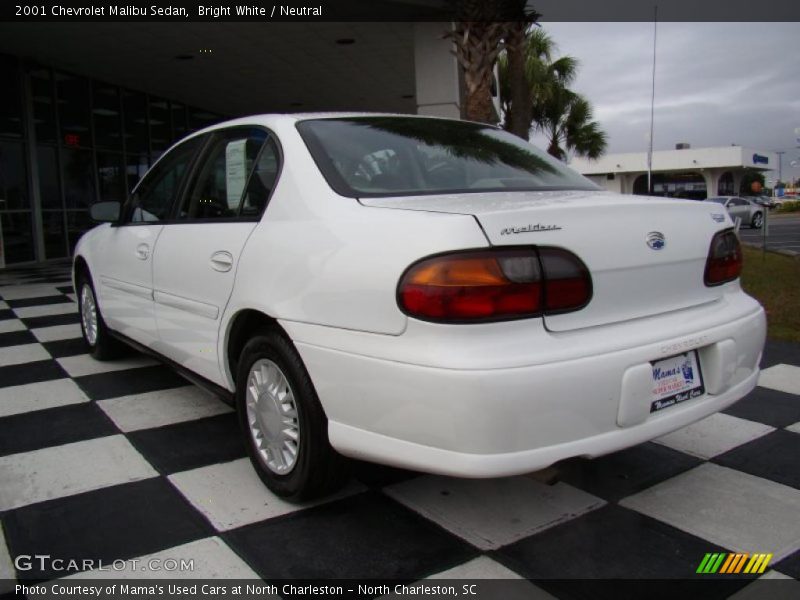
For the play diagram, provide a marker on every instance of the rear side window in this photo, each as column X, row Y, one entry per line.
column 154, row 196
column 220, row 184
column 403, row 156
column 262, row 180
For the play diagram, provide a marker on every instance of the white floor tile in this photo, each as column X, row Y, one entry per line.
column 19, row 399
column 7, row 325
column 7, row 574
column 83, row 364
column 3, row 305
column 795, row 428
column 57, row 332
column 17, row 355
column 714, row 435
column 738, row 511
column 504, row 583
column 46, row 310
column 72, row 297
column 784, row 378
column 231, row 494
column 211, row 558
column 490, row 513
column 164, row 407
column 25, row 291
column 69, row 469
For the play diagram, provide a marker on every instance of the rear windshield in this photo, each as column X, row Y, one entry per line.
column 407, row 156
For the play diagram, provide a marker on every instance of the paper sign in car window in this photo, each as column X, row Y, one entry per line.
column 235, row 171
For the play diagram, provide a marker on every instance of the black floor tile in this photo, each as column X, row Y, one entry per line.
column 52, row 320
column 66, row 289
column 6, row 313
column 185, row 446
column 32, row 372
column 771, row 407
column 101, row 386
column 15, row 338
column 775, row 456
column 62, row 348
column 789, row 566
column 41, row 301
column 53, row 427
column 777, row 352
column 627, row 472
column 112, row 523
column 378, row 476
column 367, row 536
column 609, row 543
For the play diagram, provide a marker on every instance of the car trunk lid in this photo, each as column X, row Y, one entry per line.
column 616, row 236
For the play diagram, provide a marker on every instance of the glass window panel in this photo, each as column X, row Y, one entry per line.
column 219, row 187
column 73, row 109
column 135, row 107
column 79, row 191
column 55, row 245
column 201, row 118
column 154, row 197
column 159, row 124
column 105, row 112
column 78, row 223
column 179, row 127
column 49, row 187
column 44, row 117
column 10, row 100
column 13, row 181
column 17, row 237
column 111, row 176
column 135, row 168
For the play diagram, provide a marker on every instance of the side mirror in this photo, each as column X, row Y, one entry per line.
column 105, row 212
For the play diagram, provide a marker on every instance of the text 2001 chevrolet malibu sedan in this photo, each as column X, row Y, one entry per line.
column 425, row 293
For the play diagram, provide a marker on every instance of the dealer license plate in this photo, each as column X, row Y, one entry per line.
column 675, row 380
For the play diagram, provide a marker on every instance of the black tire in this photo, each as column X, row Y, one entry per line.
column 757, row 221
column 104, row 346
column 317, row 469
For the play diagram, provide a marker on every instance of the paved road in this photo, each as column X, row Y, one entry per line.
column 783, row 233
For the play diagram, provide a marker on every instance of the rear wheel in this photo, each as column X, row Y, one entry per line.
column 99, row 342
column 757, row 221
column 285, row 428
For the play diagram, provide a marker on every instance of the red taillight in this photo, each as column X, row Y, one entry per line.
column 492, row 285
column 724, row 261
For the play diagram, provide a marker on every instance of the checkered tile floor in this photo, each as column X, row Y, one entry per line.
column 125, row 459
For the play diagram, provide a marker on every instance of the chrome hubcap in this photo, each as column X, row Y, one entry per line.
column 272, row 417
column 89, row 314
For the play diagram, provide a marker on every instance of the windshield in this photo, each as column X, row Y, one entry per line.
column 406, row 156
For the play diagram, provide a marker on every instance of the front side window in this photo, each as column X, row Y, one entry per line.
column 154, row 196
column 403, row 156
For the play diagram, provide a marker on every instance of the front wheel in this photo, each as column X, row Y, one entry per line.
column 757, row 221
column 284, row 425
column 99, row 342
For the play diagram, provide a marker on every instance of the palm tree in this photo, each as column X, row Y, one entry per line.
column 565, row 117
column 541, row 75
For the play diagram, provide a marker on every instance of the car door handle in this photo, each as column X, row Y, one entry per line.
column 222, row 261
column 142, row 251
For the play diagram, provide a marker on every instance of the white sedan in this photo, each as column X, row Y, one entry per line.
column 424, row 293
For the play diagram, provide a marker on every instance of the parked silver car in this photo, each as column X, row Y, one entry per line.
column 749, row 212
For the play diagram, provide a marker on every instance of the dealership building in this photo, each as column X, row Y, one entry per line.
column 87, row 107
column 685, row 172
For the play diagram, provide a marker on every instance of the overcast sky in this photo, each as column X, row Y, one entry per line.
column 716, row 83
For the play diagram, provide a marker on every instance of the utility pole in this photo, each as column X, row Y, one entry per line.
column 780, row 154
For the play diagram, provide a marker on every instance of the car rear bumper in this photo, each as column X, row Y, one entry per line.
column 580, row 394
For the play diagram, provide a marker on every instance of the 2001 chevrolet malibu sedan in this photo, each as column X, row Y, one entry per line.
column 420, row 292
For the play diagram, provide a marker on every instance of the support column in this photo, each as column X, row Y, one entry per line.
column 435, row 72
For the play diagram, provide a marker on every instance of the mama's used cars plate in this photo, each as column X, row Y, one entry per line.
column 676, row 379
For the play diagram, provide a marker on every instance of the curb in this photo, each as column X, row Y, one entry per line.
column 789, row 253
